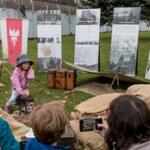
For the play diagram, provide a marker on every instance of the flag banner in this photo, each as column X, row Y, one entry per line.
column 147, row 74
column 49, row 40
column 14, row 33
column 124, row 42
column 87, row 38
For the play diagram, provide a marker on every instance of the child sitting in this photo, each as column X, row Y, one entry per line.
column 20, row 79
column 49, row 124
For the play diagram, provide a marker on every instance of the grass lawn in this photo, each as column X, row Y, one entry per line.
column 38, row 87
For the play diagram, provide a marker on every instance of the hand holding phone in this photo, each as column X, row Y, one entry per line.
column 90, row 124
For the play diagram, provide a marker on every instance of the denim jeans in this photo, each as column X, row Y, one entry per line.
column 12, row 98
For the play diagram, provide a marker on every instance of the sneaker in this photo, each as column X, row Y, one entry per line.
column 7, row 109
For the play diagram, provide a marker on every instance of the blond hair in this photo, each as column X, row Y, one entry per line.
column 49, row 121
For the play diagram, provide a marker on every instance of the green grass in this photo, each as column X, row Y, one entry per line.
column 38, row 87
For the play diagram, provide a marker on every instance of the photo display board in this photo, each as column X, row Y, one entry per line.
column 124, row 42
column 87, row 38
column 147, row 74
column 49, row 40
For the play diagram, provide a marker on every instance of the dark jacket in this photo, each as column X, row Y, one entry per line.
column 7, row 140
column 34, row 144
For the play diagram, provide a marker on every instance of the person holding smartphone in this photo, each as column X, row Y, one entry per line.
column 127, row 126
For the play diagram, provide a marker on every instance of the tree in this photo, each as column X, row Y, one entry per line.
column 107, row 7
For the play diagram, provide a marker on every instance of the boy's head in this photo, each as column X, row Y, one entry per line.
column 24, row 61
column 49, row 121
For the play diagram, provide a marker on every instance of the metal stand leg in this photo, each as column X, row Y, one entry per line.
column 116, row 77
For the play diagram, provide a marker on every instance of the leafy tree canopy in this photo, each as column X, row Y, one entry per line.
column 107, row 7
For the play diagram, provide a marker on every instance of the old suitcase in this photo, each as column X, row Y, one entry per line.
column 70, row 79
column 60, row 80
column 51, row 78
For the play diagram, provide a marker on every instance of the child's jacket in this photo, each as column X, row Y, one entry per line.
column 34, row 144
column 20, row 79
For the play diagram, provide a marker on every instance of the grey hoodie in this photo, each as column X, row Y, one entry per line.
column 141, row 146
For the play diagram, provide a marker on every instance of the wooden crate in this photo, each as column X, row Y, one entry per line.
column 51, row 78
column 70, row 79
column 60, row 80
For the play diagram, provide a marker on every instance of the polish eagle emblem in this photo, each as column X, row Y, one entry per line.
column 14, row 34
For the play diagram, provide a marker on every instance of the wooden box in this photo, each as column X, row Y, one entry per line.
column 60, row 80
column 70, row 79
column 51, row 78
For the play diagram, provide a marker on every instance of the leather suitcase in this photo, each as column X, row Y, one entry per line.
column 51, row 78
column 60, row 80
column 70, row 79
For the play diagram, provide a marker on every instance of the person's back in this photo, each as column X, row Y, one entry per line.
column 49, row 124
column 7, row 140
column 34, row 144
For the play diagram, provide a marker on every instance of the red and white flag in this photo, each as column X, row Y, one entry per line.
column 14, row 33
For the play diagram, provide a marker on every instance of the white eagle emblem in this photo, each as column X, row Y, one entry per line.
column 14, row 35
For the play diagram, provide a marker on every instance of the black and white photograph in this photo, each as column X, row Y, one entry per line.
column 89, row 61
column 124, row 49
column 46, row 63
column 49, row 17
column 87, row 40
column 128, row 15
column 87, row 16
column 147, row 74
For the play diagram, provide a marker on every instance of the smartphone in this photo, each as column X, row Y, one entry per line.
column 90, row 124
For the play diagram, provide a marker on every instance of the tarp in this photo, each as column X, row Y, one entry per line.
column 109, row 75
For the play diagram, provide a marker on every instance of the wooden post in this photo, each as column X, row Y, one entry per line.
column 1, row 66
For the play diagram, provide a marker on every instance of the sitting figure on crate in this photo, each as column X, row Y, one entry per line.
column 20, row 80
column 49, row 123
column 26, row 103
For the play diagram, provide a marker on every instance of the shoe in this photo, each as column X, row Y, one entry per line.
column 7, row 109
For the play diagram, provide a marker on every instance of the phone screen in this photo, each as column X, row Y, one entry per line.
column 89, row 124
